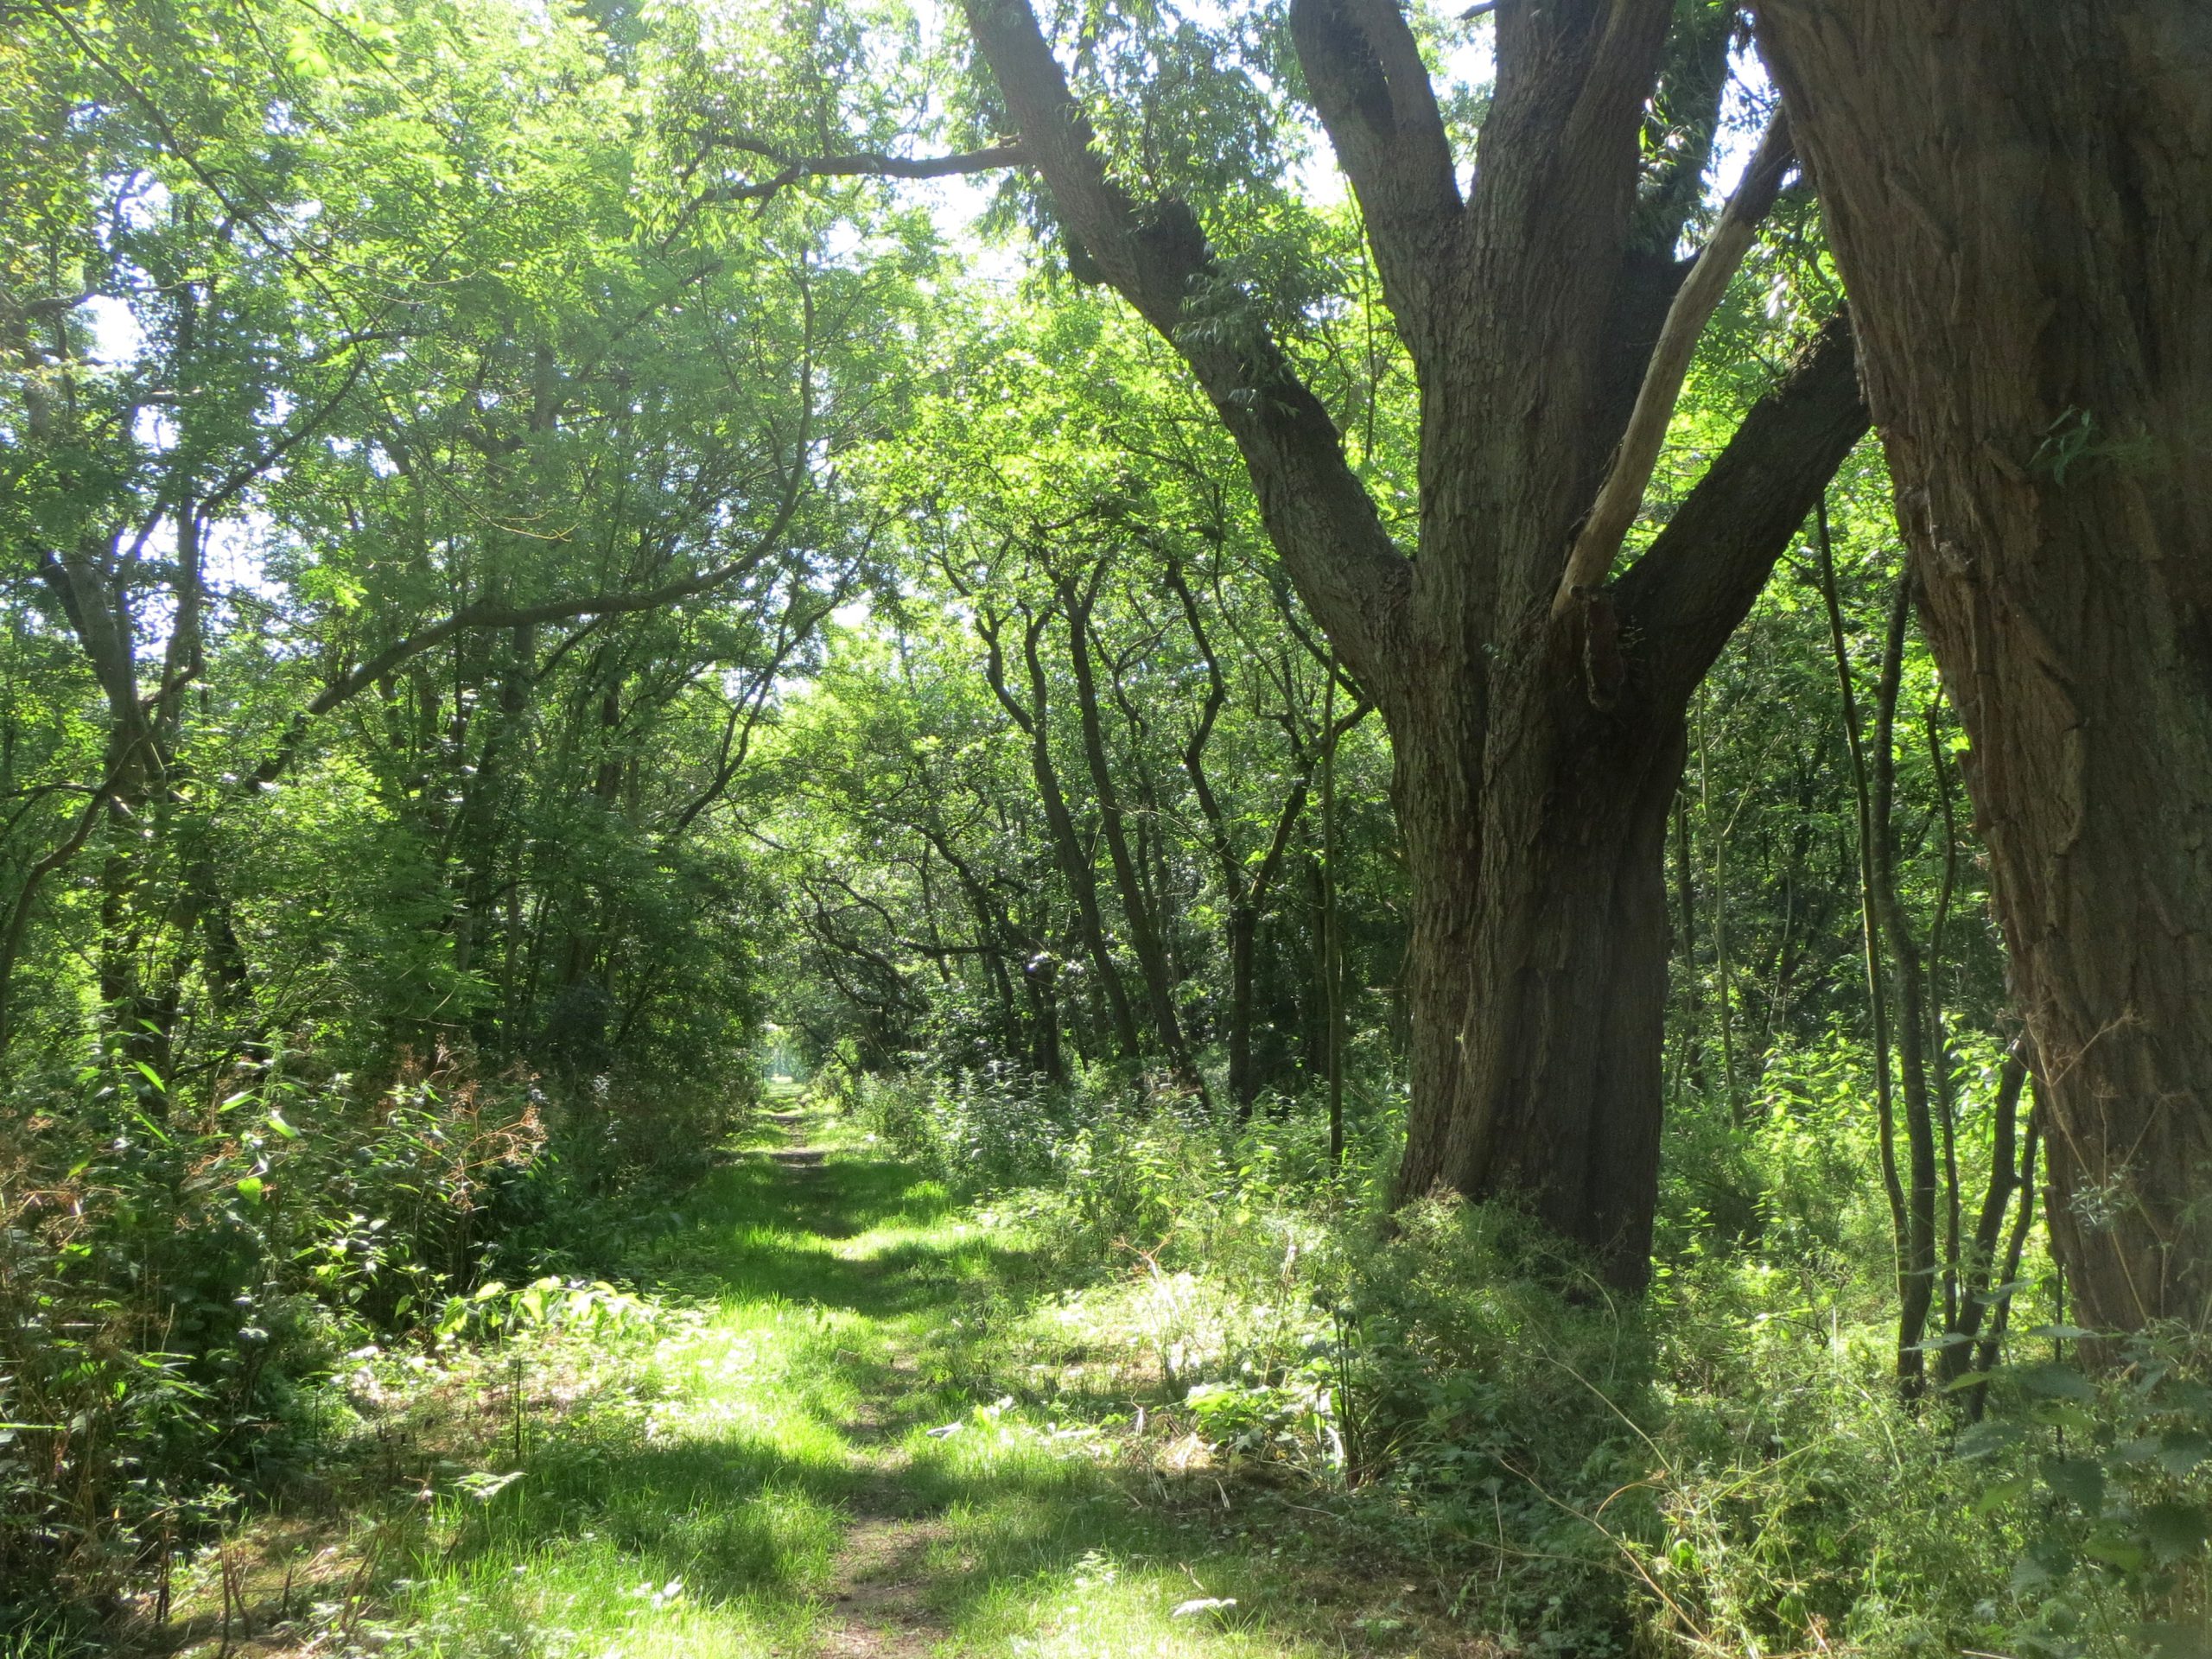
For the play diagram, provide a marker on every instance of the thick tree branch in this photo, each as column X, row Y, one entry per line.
column 1318, row 514
column 1573, row 78
column 1591, row 559
column 1373, row 94
column 1697, row 581
column 866, row 164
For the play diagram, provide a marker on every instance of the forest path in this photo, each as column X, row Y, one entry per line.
column 813, row 1450
column 875, row 1604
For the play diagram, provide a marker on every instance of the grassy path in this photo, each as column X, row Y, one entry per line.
column 809, row 1455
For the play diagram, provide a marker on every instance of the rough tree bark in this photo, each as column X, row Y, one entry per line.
column 2019, row 195
column 1538, row 746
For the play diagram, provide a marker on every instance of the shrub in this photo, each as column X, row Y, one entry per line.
column 176, row 1273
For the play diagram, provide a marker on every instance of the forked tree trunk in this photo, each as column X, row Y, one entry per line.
column 1138, row 910
column 1539, row 988
column 1067, row 848
column 1535, row 706
column 2019, row 195
column 1245, row 887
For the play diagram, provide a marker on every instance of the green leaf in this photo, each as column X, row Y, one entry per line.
column 1988, row 1437
column 2192, row 1397
column 251, row 1188
column 1998, row 1494
column 305, row 54
column 277, row 1122
column 2063, row 1414
column 2079, row 1480
column 2044, row 1563
column 2180, row 1450
column 2112, row 1545
column 485, row 1487
column 2173, row 1531
column 2055, row 1381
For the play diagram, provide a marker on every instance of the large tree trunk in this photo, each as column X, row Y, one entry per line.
column 2020, row 194
column 1536, row 706
column 1539, row 973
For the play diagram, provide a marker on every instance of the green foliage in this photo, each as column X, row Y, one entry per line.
column 410, row 515
column 167, row 1303
column 518, row 572
column 2108, row 1479
column 1725, row 1469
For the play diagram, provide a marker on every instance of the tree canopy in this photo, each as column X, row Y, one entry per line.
column 1560, row 645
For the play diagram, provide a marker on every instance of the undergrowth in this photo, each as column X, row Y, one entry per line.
column 185, row 1272
column 1049, row 1300
column 1725, row 1467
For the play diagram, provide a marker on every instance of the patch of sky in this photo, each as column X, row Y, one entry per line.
column 1744, row 108
column 140, row 201
column 154, row 429
column 234, row 564
column 119, row 339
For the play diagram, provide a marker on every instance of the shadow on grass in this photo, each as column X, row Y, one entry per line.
column 841, row 1197
column 729, row 1510
column 729, row 1518
column 747, row 1498
column 738, row 1519
column 761, row 1231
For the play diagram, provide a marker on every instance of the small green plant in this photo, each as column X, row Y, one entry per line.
column 493, row 1310
column 2108, row 1480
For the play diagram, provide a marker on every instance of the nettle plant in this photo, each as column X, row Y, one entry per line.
column 2109, row 1476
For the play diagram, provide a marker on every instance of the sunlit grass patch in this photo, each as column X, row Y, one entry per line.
column 816, row 1395
column 587, row 1597
column 697, row 1514
column 1103, row 1605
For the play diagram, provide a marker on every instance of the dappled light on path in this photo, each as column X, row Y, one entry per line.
column 808, row 1456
